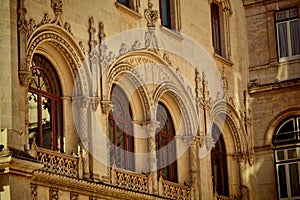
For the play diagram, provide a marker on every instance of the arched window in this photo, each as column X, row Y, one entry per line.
column 219, row 163
column 121, row 131
column 45, row 107
column 166, row 149
column 287, row 158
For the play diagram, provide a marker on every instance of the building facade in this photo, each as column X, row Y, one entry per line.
column 157, row 99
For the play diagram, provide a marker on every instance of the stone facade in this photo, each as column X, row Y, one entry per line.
column 245, row 90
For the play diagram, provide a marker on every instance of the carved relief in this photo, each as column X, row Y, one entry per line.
column 151, row 15
column 54, row 194
column 34, row 191
column 73, row 196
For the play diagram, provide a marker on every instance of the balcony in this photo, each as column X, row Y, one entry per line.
column 67, row 165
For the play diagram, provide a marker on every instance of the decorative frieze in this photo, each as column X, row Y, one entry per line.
column 34, row 192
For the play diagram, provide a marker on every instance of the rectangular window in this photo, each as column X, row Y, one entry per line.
column 165, row 13
column 215, row 26
column 288, row 34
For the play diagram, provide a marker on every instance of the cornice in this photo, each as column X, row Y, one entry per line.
column 253, row 89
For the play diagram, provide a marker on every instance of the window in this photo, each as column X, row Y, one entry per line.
column 215, row 26
column 45, row 107
column 131, row 4
column 287, row 158
column 219, row 163
column 288, row 34
column 165, row 144
column 165, row 13
column 121, row 131
column 124, row 2
column 170, row 14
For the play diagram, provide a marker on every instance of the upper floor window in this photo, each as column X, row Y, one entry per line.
column 45, row 107
column 219, row 163
column 131, row 4
column 170, row 14
column 287, row 158
column 288, row 34
column 121, row 131
column 165, row 144
column 215, row 26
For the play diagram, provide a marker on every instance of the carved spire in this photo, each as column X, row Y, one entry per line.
column 102, row 34
column 224, row 80
column 92, row 30
column 57, row 5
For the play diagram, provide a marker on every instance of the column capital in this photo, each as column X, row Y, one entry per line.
column 106, row 106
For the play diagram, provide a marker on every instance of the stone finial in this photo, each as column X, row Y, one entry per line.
column 57, row 5
column 102, row 34
column 151, row 15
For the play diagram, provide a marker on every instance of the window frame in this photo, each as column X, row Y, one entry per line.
column 56, row 106
column 216, row 16
column 220, row 187
column 171, row 168
column 128, row 138
column 286, row 21
column 173, row 15
column 283, row 158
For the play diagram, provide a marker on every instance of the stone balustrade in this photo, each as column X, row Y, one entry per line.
column 173, row 190
column 219, row 197
column 130, row 180
column 58, row 162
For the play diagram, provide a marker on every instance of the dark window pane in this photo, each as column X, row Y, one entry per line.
column 46, row 123
column 294, row 179
column 292, row 153
column 295, row 37
column 282, row 39
column 280, row 155
column 165, row 13
column 124, row 2
column 282, row 181
column 215, row 23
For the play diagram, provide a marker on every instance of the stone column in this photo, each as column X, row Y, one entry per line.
column 242, row 160
column 151, row 130
column 193, row 168
column 83, row 125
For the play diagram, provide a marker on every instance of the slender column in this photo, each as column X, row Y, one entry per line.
column 83, row 105
column 193, row 168
column 151, row 129
column 242, row 159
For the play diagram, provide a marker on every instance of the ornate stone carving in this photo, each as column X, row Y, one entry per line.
column 130, row 181
column 106, row 106
column 74, row 196
column 33, row 191
column 57, row 5
column 67, row 26
column 92, row 31
column 123, row 49
column 102, row 34
column 57, row 162
column 54, row 194
column 171, row 190
column 151, row 15
column 167, row 59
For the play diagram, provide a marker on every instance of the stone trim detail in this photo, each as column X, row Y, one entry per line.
column 54, row 194
column 34, row 192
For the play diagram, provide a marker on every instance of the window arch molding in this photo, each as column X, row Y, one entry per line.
column 276, row 121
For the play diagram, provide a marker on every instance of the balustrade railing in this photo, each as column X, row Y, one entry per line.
column 130, row 180
column 58, row 162
column 173, row 190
